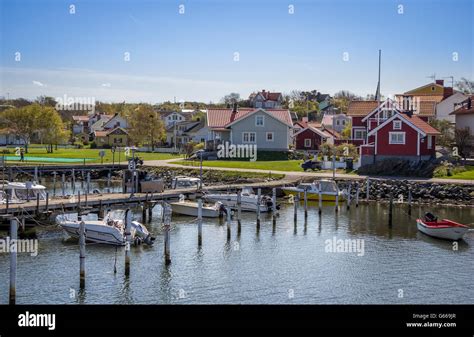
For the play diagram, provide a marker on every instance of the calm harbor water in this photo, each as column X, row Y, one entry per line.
column 286, row 264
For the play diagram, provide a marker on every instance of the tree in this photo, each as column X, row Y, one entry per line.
column 347, row 131
column 302, row 102
column 447, row 135
column 21, row 122
column 465, row 86
column 231, row 98
column 145, row 125
column 462, row 139
column 342, row 98
column 46, row 101
column 50, row 128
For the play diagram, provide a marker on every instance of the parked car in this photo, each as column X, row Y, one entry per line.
column 311, row 165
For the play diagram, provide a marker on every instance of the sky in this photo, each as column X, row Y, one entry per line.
column 200, row 50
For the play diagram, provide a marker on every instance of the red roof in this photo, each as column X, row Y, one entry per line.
column 420, row 124
column 221, row 118
column 361, row 108
column 268, row 96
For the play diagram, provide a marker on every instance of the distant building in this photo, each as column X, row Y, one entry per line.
column 266, row 100
column 111, row 137
column 172, row 117
column 464, row 117
column 337, row 121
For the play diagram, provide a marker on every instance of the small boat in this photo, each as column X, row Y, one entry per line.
column 18, row 192
column 329, row 190
column 108, row 231
column 188, row 207
column 185, row 182
column 442, row 229
column 249, row 200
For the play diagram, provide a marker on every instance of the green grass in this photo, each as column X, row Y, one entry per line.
column 466, row 175
column 92, row 154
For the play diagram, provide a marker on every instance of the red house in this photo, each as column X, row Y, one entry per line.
column 310, row 138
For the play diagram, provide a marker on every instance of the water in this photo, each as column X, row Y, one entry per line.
column 287, row 265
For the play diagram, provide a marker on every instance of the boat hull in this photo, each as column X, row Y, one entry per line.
column 231, row 201
column 96, row 232
column 314, row 196
column 447, row 232
column 191, row 209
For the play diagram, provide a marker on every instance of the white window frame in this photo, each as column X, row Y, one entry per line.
column 430, row 142
column 263, row 121
column 307, row 142
column 273, row 136
column 364, row 133
column 249, row 134
column 397, row 125
column 390, row 134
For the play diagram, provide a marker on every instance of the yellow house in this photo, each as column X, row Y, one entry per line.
column 112, row 137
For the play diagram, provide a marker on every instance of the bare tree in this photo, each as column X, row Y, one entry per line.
column 462, row 138
column 465, row 85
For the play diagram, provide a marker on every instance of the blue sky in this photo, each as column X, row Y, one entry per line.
column 190, row 56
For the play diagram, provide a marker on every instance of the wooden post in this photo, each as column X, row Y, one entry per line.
column 7, row 200
column 85, row 197
column 349, row 196
column 150, row 211
column 144, row 213
column 37, row 204
column 124, row 182
column 13, row 252
column 296, row 201
column 135, row 173
column 47, row 201
column 54, row 183
column 36, row 174
column 320, row 200
column 357, row 194
column 305, row 203
column 78, row 199
column 128, row 239
column 167, row 225
column 274, row 202
column 228, row 223
column 82, row 179
column 100, row 209
column 390, row 210
column 409, row 200
column 109, row 177
column 73, row 181
column 239, row 211
column 199, row 222
column 88, row 182
column 82, row 254
column 63, row 182
column 337, row 198
column 259, row 193
column 368, row 189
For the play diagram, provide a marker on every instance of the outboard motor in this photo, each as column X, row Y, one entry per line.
column 430, row 217
column 222, row 209
column 142, row 234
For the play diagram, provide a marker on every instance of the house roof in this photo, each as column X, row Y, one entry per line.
column 268, row 96
column 463, row 109
column 104, row 133
column 361, row 108
column 332, row 132
column 319, row 131
column 412, row 120
column 422, row 87
column 221, row 118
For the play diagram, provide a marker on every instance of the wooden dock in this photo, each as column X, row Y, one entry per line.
column 99, row 202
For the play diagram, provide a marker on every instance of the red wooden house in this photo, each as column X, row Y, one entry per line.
column 311, row 137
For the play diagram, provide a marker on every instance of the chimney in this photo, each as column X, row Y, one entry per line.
column 448, row 91
column 235, row 107
column 440, row 82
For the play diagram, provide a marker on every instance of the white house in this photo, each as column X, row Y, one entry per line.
column 172, row 117
column 448, row 105
column 266, row 100
column 337, row 122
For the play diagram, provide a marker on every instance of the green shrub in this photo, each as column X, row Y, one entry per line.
column 93, row 145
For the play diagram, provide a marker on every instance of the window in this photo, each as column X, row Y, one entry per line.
column 396, row 138
column 397, row 125
column 430, row 142
column 307, row 142
column 259, row 121
column 269, row 137
column 343, row 122
column 248, row 137
column 338, row 122
column 359, row 134
column 175, row 117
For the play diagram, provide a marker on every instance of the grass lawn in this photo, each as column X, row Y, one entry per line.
column 466, row 175
column 277, row 165
column 91, row 155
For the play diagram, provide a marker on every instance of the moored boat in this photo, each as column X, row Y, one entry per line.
column 248, row 200
column 188, row 207
column 442, row 229
column 329, row 190
column 19, row 192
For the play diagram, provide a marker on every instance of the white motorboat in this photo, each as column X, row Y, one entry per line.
column 442, row 229
column 188, row 207
column 108, row 231
column 329, row 190
column 185, row 182
column 249, row 200
column 18, row 192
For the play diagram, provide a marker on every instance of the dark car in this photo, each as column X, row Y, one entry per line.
column 311, row 165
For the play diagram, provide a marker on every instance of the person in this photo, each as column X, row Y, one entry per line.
column 22, row 154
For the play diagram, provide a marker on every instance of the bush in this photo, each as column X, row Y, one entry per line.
column 93, row 145
column 6, row 151
column 347, row 150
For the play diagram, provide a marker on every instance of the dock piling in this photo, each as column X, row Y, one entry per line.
column 167, row 225
column 54, row 183
column 47, row 201
column 305, row 203
column 82, row 254
column 63, row 183
column 295, row 208
column 349, row 196
column 409, row 200
column 37, row 204
column 128, row 239
column 36, row 174
column 13, row 252
column 357, row 194
column 320, row 200
column 199, row 220
column 109, row 177
column 73, row 181
column 337, row 198
column 368, row 189
column 274, row 205
column 390, row 210
column 228, row 223
column 239, row 211
column 259, row 194
column 88, row 182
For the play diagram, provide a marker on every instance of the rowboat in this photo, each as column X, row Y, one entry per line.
column 442, row 229
column 329, row 190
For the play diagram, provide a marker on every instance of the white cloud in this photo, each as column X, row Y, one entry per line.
column 38, row 83
column 106, row 85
